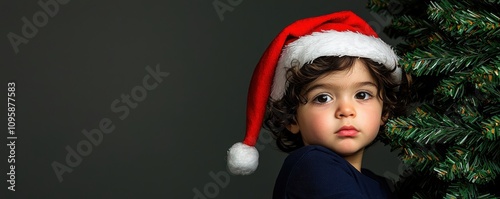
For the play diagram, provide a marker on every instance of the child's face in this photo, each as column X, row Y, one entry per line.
column 343, row 112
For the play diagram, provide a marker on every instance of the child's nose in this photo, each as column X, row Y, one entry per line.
column 345, row 109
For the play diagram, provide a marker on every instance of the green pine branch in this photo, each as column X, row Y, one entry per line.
column 427, row 127
column 491, row 2
column 492, row 108
column 419, row 31
column 466, row 191
column 486, row 78
column 491, row 128
column 464, row 165
column 459, row 20
column 450, row 139
column 378, row 5
column 482, row 81
column 442, row 58
column 452, row 86
column 468, row 110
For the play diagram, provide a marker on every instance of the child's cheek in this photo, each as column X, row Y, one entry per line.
column 319, row 121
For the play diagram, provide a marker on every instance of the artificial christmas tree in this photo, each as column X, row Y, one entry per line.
column 450, row 138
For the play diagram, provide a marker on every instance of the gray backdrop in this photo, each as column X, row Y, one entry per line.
column 159, row 87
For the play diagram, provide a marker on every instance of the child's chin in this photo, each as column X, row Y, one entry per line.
column 346, row 151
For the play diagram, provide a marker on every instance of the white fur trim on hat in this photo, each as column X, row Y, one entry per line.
column 331, row 43
column 242, row 159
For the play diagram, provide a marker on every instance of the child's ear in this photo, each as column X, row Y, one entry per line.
column 384, row 119
column 294, row 128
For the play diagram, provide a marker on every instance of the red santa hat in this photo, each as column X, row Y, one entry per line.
column 337, row 34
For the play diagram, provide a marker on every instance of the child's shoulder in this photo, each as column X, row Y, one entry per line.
column 315, row 156
column 318, row 172
column 316, row 151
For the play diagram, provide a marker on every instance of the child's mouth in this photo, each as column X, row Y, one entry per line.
column 347, row 131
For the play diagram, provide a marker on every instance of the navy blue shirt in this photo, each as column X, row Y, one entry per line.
column 316, row 172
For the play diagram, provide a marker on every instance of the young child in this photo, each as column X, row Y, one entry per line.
column 325, row 87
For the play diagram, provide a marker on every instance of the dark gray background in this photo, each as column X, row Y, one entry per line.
column 92, row 52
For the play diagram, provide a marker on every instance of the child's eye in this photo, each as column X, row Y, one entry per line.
column 322, row 98
column 363, row 95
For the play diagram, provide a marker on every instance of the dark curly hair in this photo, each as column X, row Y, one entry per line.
column 281, row 113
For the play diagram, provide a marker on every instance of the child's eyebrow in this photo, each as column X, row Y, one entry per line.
column 332, row 86
column 367, row 83
column 316, row 86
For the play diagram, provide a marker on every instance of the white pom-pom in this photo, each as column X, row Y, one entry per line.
column 242, row 159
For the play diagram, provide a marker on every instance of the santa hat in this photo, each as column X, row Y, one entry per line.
column 337, row 34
